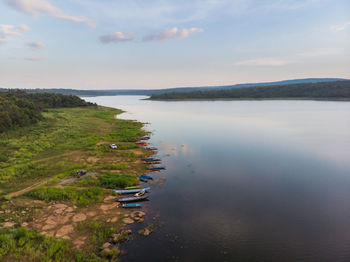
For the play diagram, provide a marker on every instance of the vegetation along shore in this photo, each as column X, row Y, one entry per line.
column 46, row 212
column 335, row 90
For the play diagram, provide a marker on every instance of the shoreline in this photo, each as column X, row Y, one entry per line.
column 252, row 99
column 82, row 212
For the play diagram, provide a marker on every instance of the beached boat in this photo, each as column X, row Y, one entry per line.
column 132, row 187
column 152, row 148
column 151, row 159
column 153, row 163
column 132, row 205
column 157, row 167
column 132, row 199
column 144, row 137
column 131, row 191
column 145, row 178
column 141, row 143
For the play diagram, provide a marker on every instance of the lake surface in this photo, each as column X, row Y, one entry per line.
column 245, row 180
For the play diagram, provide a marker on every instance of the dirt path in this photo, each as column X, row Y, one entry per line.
column 25, row 190
column 56, row 156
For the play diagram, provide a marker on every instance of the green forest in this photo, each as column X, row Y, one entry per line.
column 336, row 90
column 19, row 108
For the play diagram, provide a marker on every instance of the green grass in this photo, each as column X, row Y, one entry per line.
column 29, row 154
column 118, row 180
column 115, row 166
column 79, row 196
column 47, row 154
column 19, row 244
column 98, row 231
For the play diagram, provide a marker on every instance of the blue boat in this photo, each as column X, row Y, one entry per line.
column 132, row 205
column 131, row 191
column 157, row 167
column 151, row 159
column 132, row 199
column 145, row 178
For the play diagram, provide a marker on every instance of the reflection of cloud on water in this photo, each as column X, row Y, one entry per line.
column 176, row 150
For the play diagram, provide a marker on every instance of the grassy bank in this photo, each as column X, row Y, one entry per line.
column 46, row 212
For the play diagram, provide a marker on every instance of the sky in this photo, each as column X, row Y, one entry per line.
column 152, row 44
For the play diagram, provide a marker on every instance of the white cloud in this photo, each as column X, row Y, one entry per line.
column 117, row 37
column 173, row 33
column 36, row 45
column 340, row 27
column 12, row 30
column 263, row 62
column 33, row 59
column 43, row 7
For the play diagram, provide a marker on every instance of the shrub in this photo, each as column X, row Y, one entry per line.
column 79, row 196
column 118, row 180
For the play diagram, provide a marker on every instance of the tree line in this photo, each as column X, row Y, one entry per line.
column 18, row 108
column 324, row 90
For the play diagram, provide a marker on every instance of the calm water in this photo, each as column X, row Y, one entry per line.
column 246, row 180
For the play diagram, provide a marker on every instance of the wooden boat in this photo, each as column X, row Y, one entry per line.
column 157, row 167
column 145, row 178
column 132, row 205
column 131, row 191
column 132, row 199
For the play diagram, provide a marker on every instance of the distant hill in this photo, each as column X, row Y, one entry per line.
column 150, row 92
column 334, row 90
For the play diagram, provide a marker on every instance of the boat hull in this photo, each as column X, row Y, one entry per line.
column 131, row 191
column 132, row 199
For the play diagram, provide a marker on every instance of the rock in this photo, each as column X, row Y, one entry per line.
column 50, row 226
column 128, row 231
column 69, row 209
column 65, row 230
column 79, row 217
column 9, row 224
column 128, row 220
column 140, row 220
column 115, row 238
column 78, row 243
column 147, row 232
column 106, row 245
column 109, row 198
column 108, row 207
column 114, row 219
column 24, row 224
column 137, row 214
column 91, row 213
column 23, row 212
column 60, row 206
column 59, row 211
column 51, row 220
column 64, row 219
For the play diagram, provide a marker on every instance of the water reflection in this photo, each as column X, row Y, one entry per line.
column 246, row 181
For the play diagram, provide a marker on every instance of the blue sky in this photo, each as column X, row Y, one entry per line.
column 118, row 44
